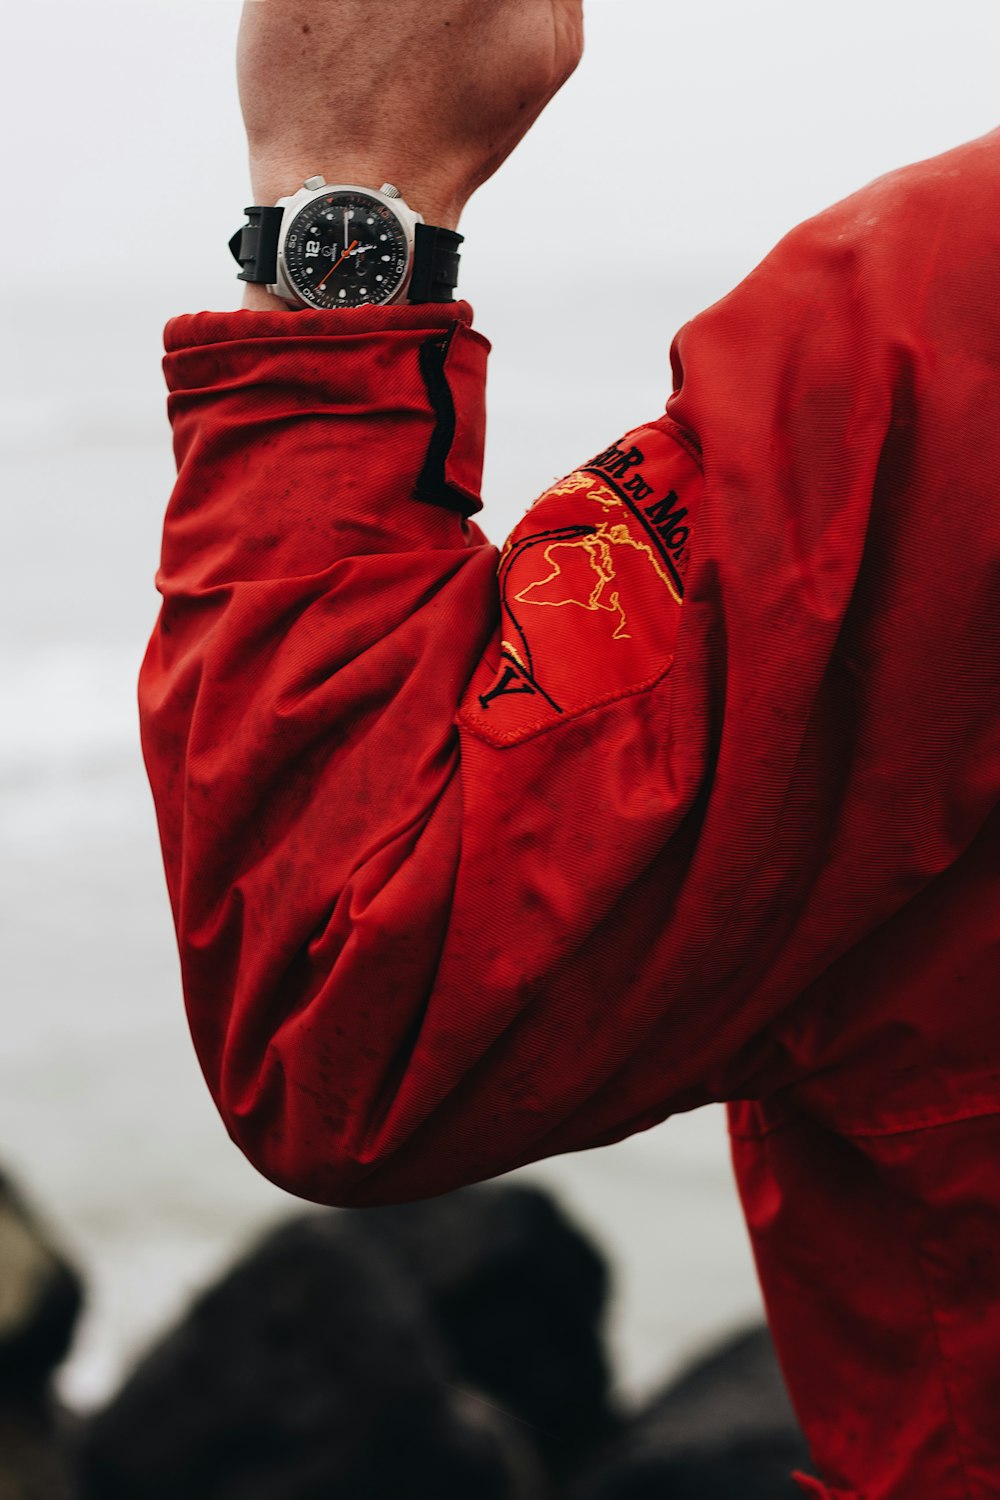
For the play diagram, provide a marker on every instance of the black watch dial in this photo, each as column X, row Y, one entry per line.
column 345, row 249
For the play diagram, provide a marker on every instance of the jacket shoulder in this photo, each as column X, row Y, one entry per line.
column 943, row 207
column 840, row 297
column 940, row 207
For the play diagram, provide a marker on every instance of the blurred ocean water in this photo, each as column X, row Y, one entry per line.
column 103, row 1115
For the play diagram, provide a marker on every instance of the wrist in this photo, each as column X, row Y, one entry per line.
column 259, row 299
column 378, row 248
column 437, row 200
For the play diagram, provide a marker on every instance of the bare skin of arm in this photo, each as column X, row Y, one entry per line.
column 431, row 95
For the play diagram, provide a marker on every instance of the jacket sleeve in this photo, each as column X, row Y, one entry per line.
column 479, row 859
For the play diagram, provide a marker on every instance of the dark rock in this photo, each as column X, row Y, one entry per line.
column 309, row 1372
column 519, row 1294
column 33, row 1452
column 40, row 1299
column 724, row 1429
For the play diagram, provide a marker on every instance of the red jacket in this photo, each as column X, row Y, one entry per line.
column 691, row 795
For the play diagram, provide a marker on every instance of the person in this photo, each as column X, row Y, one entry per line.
column 689, row 795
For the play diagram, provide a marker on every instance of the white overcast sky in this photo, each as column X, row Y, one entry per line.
column 712, row 123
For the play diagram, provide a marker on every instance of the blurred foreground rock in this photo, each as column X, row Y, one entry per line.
column 446, row 1349
column 724, row 1430
column 520, row 1296
column 40, row 1300
column 449, row 1350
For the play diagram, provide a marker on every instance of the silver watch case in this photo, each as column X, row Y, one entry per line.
column 315, row 187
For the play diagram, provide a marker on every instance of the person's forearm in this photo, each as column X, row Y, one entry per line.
column 389, row 942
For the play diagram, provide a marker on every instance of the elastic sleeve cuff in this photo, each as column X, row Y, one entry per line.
column 409, row 368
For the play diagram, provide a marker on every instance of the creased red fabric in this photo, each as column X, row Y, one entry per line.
column 689, row 794
column 820, row 1491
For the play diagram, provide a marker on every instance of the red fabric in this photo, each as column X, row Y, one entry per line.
column 811, row 1486
column 696, row 799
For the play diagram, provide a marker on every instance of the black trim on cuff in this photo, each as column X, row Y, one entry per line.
column 432, row 486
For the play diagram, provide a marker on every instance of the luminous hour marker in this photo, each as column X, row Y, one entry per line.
column 314, row 228
column 369, row 221
column 383, row 236
column 379, row 278
column 387, row 257
column 343, row 291
column 364, row 291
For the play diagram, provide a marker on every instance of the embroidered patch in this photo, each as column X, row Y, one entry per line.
column 591, row 586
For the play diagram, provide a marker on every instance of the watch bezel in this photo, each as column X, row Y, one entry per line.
column 407, row 220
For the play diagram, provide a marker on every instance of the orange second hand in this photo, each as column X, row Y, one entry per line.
column 337, row 263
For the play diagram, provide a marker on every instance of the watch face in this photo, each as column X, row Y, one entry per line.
column 345, row 249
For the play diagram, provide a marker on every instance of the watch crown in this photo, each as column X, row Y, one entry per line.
column 312, row 183
column 388, row 191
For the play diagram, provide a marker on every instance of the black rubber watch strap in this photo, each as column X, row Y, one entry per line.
column 255, row 245
column 435, row 255
column 435, row 264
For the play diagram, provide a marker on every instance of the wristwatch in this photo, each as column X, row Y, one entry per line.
column 337, row 245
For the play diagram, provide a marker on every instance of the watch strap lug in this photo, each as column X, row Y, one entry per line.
column 255, row 245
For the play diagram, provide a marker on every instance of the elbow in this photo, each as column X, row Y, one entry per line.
column 307, row 1151
column 319, row 1169
column 307, row 1145
column 322, row 1171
